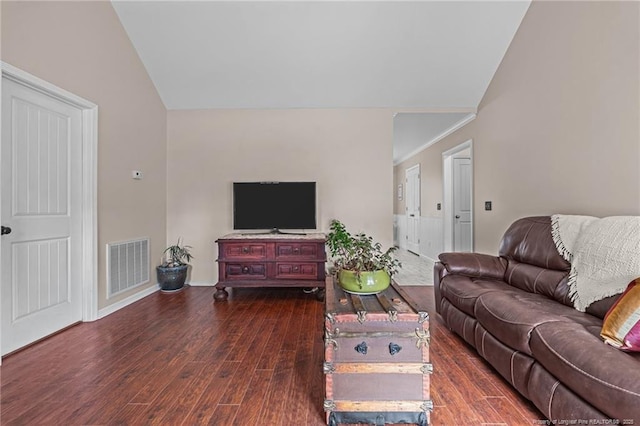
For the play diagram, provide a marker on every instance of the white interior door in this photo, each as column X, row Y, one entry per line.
column 413, row 208
column 462, row 204
column 41, row 202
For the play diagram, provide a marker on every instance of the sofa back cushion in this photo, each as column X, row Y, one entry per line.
column 534, row 279
column 601, row 307
column 534, row 262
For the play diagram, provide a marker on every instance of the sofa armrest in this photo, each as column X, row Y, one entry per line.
column 474, row 265
column 439, row 271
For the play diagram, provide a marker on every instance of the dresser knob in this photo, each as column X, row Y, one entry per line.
column 245, row 269
column 245, row 249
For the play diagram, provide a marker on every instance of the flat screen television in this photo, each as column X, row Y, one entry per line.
column 274, row 205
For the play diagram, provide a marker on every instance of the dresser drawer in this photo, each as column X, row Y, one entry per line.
column 290, row 270
column 297, row 250
column 246, row 250
column 246, row 271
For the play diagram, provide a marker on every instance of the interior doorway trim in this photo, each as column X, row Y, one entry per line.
column 413, row 216
column 447, row 178
column 89, row 111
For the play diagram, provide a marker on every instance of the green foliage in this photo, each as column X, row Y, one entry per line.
column 176, row 255
column 359, row 253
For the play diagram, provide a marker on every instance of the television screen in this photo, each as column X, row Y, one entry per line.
column 274, row 205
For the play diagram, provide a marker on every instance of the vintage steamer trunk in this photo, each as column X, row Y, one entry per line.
column 376, row 365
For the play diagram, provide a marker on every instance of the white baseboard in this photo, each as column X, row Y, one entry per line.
column 201, row 284
column 129, row 300
column 430, row 235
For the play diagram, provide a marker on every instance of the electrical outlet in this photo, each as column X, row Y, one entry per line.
column 439, row 206
column 487, row 205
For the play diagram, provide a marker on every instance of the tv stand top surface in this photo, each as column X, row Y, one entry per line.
column 274, row 236
column 275, row 231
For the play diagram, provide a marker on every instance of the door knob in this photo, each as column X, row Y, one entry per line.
column 457, row 216
column 6, row 230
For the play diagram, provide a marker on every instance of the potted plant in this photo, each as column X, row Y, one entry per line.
column 362, row 266
column 172, row 272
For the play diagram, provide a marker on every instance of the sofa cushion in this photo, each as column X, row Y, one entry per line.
column 601, row 307
column 476, row 265
column 463, row 291
column 557, row 402
column 513, row 365
column 511, row 317
column 621, row 327
column 458, row 321
column 529, row 240
column 602, row 375
column 534, row 279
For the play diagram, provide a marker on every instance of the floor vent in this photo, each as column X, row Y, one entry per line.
column 127, row 265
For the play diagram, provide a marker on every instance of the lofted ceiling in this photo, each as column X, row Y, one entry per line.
column 438, row 56
column 415, row 131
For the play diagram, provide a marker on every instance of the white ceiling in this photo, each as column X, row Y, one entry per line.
column 434, row 55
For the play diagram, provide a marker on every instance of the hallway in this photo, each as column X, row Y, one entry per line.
column 416, row 270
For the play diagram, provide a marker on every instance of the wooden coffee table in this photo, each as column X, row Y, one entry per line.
column 376, row 365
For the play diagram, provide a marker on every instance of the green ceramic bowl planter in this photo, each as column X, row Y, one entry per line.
column 361, row 265
column 366, row 283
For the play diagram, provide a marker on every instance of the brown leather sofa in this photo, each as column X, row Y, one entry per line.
column 514, row 309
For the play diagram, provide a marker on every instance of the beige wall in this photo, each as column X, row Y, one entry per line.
column 347, row 152
column 82, row 47
column 558, row 129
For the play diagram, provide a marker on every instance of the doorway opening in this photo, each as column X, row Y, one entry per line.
column 412, row 182
column 458, row 198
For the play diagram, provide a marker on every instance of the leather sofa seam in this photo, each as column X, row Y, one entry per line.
column 459, row 296
column 553, row 392
column 512, row 271
column 535, row 282
column 502, row 319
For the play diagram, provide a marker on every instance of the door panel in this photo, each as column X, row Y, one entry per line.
column 38, row 280
column 41, row 202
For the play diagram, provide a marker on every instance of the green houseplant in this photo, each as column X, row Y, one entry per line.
column 172, row 272
column 362, row 266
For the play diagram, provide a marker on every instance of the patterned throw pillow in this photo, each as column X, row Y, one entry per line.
column 621, row 327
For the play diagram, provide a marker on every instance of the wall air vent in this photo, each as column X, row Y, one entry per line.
column 127, row 265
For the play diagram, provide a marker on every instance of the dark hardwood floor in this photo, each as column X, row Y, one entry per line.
column 181, row 359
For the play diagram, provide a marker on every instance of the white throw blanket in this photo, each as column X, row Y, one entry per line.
column 604, row 254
